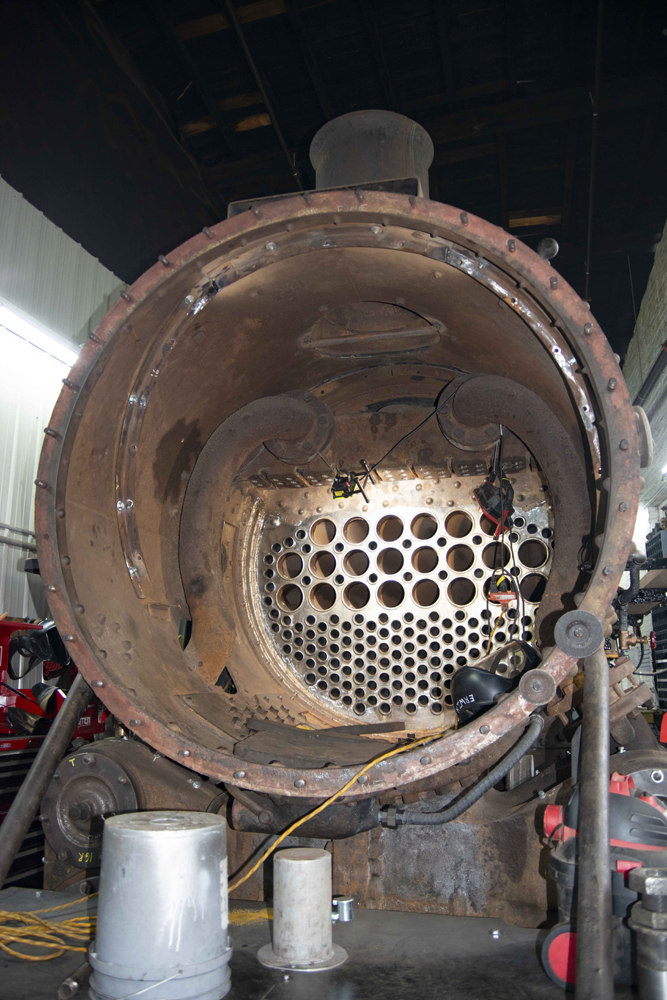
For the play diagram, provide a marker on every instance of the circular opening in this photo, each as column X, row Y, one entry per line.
column 356, row 595
column 460, row 558
column 356, row 530
column 424, row 526
column 322, row 596
column 488, row 526
column 323, row 531
column 496, row 555
column 290, row 597
column 322, row 564
column 533, row 553
column 425, row 593
column 425, row 559
column 356, row 563
column 390, row 561
column 390, row 594
column 390, row 528
column 532, row 587
column 461, row 591
column 458, row 524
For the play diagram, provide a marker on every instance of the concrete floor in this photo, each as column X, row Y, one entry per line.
column 406, row 956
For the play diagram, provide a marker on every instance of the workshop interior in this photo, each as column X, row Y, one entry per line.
column 333, row 487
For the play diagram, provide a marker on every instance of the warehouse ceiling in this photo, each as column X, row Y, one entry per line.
column 132, row 123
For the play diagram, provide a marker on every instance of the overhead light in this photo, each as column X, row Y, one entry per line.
column 44, row 341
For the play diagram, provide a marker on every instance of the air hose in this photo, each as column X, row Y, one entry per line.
column 390, row 816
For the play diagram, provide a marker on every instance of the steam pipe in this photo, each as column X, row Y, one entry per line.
column 22, row 810
column 594, row 943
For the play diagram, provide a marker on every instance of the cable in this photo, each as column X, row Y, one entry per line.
column 413, row 817
column 498, row 621
column 314, row 812
column 29, row 929
column 414, row 429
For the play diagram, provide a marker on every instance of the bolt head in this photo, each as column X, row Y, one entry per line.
column 239, row 774
column 623, row 507
column 483, row 730
column 648, row 881
column 299, row 783
column 425, row 760
column 63, row 855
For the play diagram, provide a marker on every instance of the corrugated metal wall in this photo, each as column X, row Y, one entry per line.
column 48, row 278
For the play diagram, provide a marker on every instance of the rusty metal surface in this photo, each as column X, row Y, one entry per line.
column 124, row 642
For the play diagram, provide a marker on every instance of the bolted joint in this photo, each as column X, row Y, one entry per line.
column 390, row 817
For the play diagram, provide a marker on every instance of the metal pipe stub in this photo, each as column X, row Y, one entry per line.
column 648, row 920
column 302, row 938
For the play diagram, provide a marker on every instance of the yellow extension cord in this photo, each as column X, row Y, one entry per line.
column 53, row 936
column 332, row 798
column 56, row 937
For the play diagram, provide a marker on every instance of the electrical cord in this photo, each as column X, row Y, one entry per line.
column 413, row 817
column 437, row 409
column 341, row 791
column 55, row 937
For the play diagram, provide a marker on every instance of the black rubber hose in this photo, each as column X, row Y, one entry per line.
column 413, row 817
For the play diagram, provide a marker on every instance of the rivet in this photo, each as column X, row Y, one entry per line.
column 43, row 485
column 624, row 444
column 126, row 295
column 51, row 589
column 362, row 779
column 554, row 282
column 97, row 684
column 239, row 774
column 483, row 730
column 612, row 383
column 184, row 753
column 87, row 759
column 70, row 385
column 424, row 760
column 207, row 232
column 61, row 512
column 623, row 507
column 69, row 638
column 135, row 722
column 96, row 340
column 102, row 653
column 65, row 560
column 606, row 571
column 189, row 299
column 163, row 260
column 588, row 329
column 79, row 608
column 299, row 783
column 376, row 230
column 49, row 431
column 56, row 776
column 121, row 780
column 464, row 218
column 511, row 245
column 256, row 212
column 359, row 194
column 271, row 246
